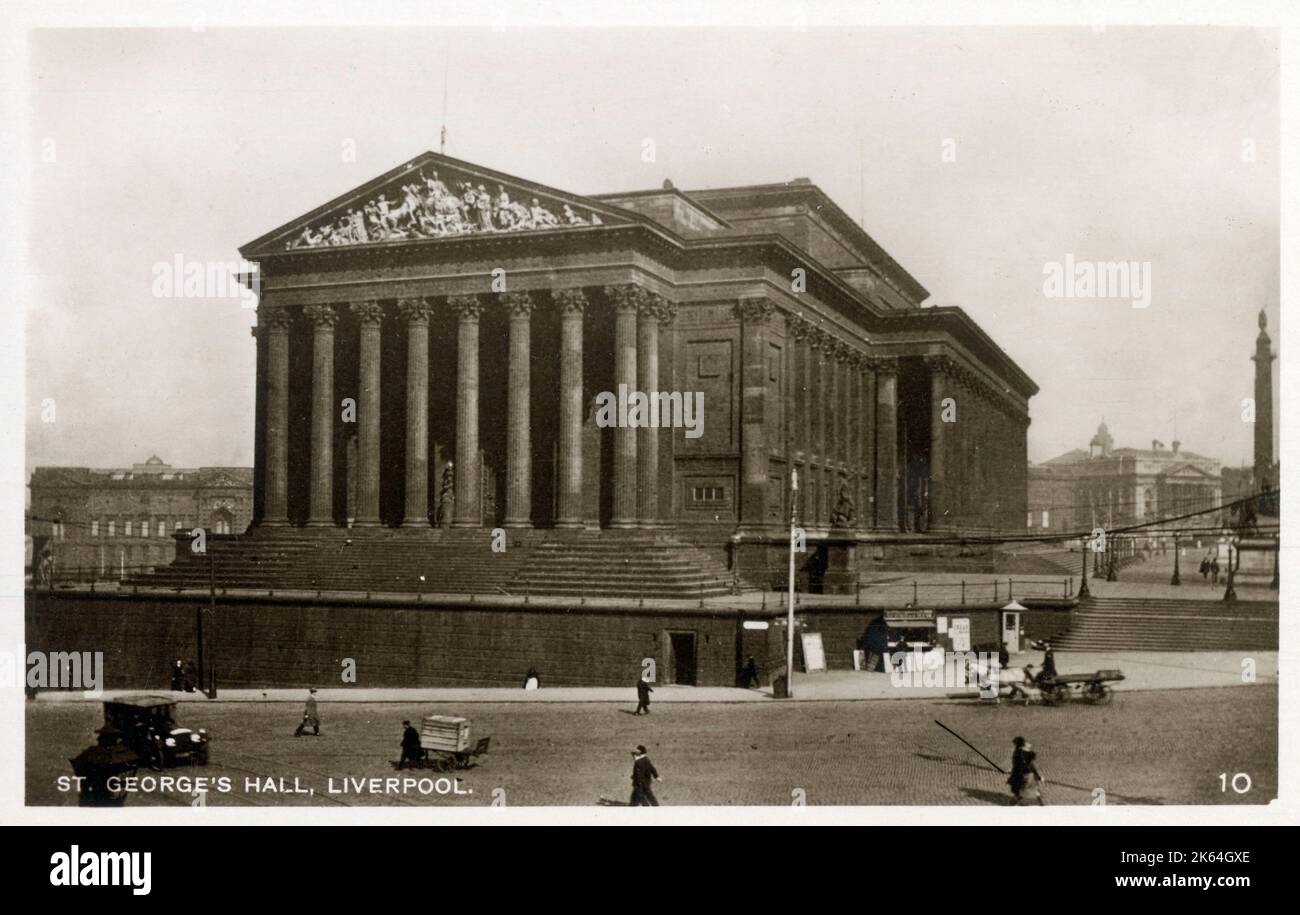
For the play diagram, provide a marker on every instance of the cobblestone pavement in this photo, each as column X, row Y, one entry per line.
column 1147, row 748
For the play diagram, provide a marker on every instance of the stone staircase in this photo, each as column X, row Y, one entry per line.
column 590, row 564
column 1143, row 624
column 623, row 564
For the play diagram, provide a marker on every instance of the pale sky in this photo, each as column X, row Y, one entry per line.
column 1122, row 144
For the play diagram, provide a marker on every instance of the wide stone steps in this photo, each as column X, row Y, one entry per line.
column 575, row 563
column 1172, row 625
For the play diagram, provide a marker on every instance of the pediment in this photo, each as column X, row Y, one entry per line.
column 1187, row 472
column 436, row 197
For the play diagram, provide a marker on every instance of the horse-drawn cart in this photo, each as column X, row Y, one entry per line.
column 1090, row 688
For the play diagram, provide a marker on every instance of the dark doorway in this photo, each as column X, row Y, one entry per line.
column 682, row 657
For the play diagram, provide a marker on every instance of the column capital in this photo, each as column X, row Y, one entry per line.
column 517, row 304
column 884, row 365
column 818, row 339
column 321, row 315
column 798, row 327
column 627, row 297
column 273, row 318
column 940, row 364
column 654, row 307
column 466, row 306
column 570, row 301
column 665, row 311
column 754, row 310
column 368, row 312
column 414, row 310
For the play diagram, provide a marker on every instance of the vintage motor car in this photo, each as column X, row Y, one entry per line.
column 148, row 727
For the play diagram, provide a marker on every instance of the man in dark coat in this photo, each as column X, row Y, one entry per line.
column 1049, row 663
column 643, row 692
column 309, row 716
column 410, row 745
column 1025, row 778
column 1004, row 656
column 643, row 775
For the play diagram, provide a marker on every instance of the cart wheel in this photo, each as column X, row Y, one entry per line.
column 445, row 763
column 1055, row 695
column 1098, row 694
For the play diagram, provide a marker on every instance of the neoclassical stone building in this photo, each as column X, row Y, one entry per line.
column 435, row 362
column 104, row 522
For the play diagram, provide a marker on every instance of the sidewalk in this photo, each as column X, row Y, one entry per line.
column 1143, row 670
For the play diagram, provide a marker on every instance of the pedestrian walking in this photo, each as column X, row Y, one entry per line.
column 410, row 746
column 643, row 692
column 1214, row 572
column 532, row 680
column 1026, row 780
column 644, row 775
column 749, row 675
column 1004, row 656
column 1205, row 567
column 310, row 717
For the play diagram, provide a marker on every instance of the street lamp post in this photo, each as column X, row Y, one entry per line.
column 1230, row 594
column 1177, row 580
column 789, row 635
column 1083, row 579
column 1277, row 555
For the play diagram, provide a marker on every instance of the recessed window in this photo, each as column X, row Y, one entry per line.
column 94, row 528
column 112, row 528
column 708, row 494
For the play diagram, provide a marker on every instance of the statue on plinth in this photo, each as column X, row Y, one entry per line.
column 447, row 495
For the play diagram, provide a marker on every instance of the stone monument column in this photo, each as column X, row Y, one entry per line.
column 322, row 318
column 276, row 324
column 416, row 511
column 572, row 304
column 519, row 447
column 371, row 315
column 469, row 473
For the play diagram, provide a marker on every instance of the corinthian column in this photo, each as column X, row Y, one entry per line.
column 416, row 312
column 572, row 303
column 939, row 514
column 755, row 315
column 519, row 447
column 276, row 327
column 887, row 444
column 469, row 473
column 627, row 302
column 654, row 310
column 370, row 314
column 322, row 318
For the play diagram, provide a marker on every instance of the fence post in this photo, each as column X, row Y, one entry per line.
column 914, row 592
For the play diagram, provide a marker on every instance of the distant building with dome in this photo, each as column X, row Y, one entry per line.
column 1109, row 487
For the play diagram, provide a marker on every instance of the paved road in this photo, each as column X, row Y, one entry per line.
column 1165, row 747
